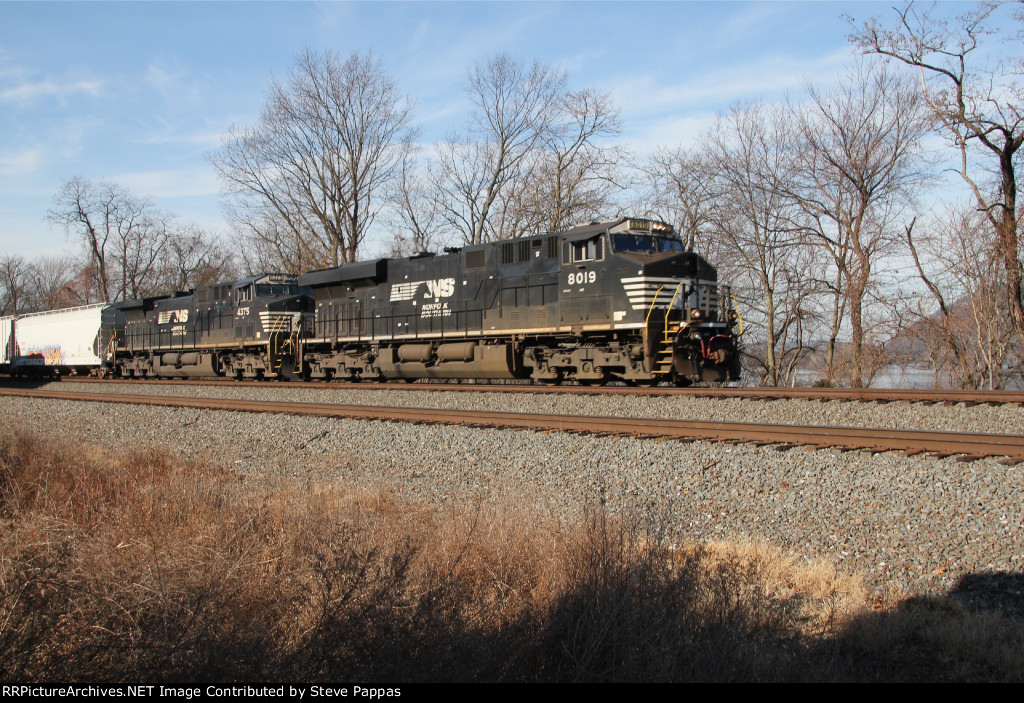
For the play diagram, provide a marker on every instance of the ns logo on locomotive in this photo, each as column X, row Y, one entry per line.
column 619, row 300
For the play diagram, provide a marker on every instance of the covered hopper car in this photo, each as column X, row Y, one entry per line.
column 53, row 342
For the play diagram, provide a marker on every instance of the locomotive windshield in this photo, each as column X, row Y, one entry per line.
column 646, row 243
column 265, row 290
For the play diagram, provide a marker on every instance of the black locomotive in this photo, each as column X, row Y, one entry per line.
column 618, row 300
column 246, row 329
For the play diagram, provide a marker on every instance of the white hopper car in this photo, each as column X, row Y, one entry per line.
column 53, row 342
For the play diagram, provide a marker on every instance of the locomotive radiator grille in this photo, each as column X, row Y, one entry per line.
column 642, row 292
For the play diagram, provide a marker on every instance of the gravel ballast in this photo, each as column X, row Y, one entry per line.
column 1003, row 419
column 911, row 524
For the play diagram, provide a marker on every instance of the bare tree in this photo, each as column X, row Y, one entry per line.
column 308, row 180
column 13, row 283
column 756, row 242
column 514, row 106
column 969, row 335
column 123, row 235
column 193, row 258
column 130, row 249
column 977, row 104
column 682, row 188
column 860, row 158
column 265, row 242
column 576, row 174
column 58, row 282
column 414, row 216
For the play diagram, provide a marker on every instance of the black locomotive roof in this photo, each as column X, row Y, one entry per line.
column 636, row 225
column 372, row 271
column 139, row 303
column 265, row 278
column 585, row 231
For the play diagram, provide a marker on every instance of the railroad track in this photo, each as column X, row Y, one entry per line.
column 965, row 446
column 863, row 395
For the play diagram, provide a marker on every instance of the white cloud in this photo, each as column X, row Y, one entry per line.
column 167, row 133
column 670, row 132
column 23, row 87
column 770, row 76
column 190, row 182
column 751, row 22
column 31, row 92
column 175, row 83
column 20, row 163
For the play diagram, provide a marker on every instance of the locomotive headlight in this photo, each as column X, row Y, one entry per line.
column 732, row 316
column 695, row 314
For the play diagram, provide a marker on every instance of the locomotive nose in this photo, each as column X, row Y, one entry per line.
column 677, row 265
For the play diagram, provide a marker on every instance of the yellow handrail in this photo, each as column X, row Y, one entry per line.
column 670, row 304
column 736, row 307
column 276, row 326
column 651, row 309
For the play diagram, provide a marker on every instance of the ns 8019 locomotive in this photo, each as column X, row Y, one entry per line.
column 609, row 301
column 618, row 300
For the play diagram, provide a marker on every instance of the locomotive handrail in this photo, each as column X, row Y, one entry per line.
column 672, row 302
column 647, row 320
column 736, row 307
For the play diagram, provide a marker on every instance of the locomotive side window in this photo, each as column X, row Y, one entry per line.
column 587, row 250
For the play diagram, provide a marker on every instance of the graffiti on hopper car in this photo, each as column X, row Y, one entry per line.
column 52, row 355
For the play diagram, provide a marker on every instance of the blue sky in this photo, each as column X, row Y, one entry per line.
column 138, row 93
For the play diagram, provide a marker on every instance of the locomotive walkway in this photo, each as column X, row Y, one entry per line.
column 966, row 446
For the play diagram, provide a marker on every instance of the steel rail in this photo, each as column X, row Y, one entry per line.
column 968, row 445
column 866, row 395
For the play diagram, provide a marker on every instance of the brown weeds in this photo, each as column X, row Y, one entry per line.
column 135, row 566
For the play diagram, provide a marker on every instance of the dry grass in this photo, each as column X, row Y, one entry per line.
column 139, row 567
